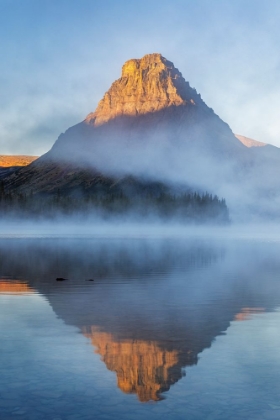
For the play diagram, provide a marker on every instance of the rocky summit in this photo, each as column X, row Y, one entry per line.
column 146, row 85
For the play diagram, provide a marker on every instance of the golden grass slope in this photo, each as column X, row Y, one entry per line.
column 16, row 160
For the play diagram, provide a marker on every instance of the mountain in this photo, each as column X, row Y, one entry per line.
column 151, row 126
column 139, row 128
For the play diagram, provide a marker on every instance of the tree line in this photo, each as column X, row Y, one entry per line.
column 191, row 206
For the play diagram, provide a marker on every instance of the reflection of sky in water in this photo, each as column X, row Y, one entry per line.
column 54, row 336
column 240, row 373
column 44, row 361
column 57, row 372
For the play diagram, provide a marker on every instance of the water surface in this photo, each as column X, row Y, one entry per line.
column 169, row 328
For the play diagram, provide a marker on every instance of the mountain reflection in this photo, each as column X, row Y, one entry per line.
column 246, row 313
column 142, row 367
column 154, row 305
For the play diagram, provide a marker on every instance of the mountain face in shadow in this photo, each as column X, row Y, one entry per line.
column 152, row 126
column 153, row 306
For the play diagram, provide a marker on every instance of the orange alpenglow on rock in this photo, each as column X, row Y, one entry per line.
column 147, row 85
column 249, row 142
column 142, row 367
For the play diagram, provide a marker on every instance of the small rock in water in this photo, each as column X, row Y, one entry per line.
column 60, row 279
column 90, row 280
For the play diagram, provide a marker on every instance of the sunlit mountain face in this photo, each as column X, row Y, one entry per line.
column 153, row 306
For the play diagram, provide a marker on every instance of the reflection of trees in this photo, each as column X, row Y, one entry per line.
column 38, row 259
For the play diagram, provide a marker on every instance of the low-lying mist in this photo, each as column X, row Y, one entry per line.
column 203, row 156
column 117, row 227
column 143, row 166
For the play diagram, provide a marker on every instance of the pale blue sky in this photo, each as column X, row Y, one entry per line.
column 59, row 57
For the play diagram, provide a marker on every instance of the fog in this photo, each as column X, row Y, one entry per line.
column 184, row 153
column 202, row 156
column 118, row 227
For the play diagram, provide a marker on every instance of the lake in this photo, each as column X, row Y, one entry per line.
column 142, row 328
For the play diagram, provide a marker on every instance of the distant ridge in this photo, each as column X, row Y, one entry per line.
column 249, row 142
column 16, row 160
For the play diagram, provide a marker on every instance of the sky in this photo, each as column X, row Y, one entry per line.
column 59, row 57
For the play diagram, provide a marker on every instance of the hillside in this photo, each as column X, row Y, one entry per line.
column 16, row 160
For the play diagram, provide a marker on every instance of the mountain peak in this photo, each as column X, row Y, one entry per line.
column 147, row 85
column 148, row 61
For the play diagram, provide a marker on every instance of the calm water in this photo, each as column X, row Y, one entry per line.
column 168, row 329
